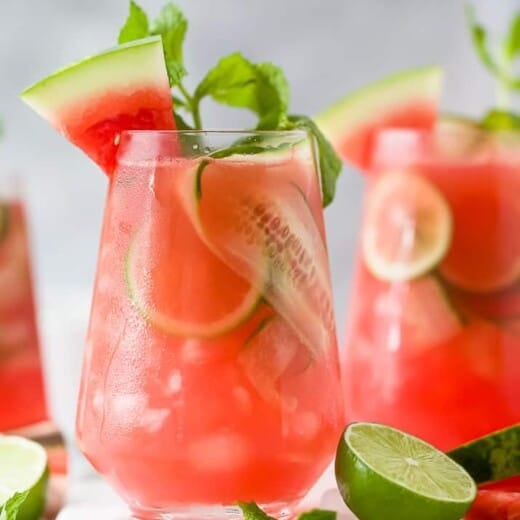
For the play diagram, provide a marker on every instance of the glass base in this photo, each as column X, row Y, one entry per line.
column 280, row 510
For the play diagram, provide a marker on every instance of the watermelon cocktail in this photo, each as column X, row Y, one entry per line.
column 22, row 401
column 433, row 345
column 212, row 324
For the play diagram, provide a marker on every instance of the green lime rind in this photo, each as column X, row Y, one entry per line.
column 172, row 325
column 493, row 457
column 384, row 473
column 23, row 469
column 34, row 504
column 140, row 60
column 370, row 102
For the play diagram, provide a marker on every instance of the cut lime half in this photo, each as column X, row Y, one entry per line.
column 385, row 473
column 23, row 468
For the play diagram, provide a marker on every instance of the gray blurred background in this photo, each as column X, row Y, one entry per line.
column 326, row 47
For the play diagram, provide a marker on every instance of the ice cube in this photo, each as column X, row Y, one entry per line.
column 98, row 401
column 243, row 400
column 305, row 425
column 219, row 453
column 174, row 384
column 152, row 420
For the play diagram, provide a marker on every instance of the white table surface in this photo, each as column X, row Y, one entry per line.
column 93, row 498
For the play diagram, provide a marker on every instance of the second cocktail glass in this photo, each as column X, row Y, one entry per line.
column 433, row 344
column 210, row 373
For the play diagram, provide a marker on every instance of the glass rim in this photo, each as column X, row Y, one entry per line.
column 215, row 131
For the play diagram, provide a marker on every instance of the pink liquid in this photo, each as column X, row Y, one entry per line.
column 22, row 400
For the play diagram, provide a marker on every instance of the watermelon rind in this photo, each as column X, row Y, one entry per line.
column 369, row 104
column 140, row 62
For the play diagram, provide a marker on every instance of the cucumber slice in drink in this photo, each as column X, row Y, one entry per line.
column 408, row 227
column 385, row 473
column 256, row 217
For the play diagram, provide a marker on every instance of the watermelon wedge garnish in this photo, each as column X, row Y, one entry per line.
column 405, row 100
column 92, row 101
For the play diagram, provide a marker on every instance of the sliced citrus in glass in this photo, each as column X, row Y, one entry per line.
column 23, row 468
column 175, row 280
column 385, row 473
column 407, row 228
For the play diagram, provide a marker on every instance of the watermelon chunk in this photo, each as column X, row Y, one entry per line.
column 405, row 100
column 92, row 101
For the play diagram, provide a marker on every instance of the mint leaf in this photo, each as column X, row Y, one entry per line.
column 479, row 38
column 251, row 511
column 136, row 25
column 318, row 514
column 237, row 82
column 272, row 95
column 10, row 509
column 512, row 40
column 329, row 162
column 171, row 25
column 231, row 81
column 501, row 120
column 180, row 122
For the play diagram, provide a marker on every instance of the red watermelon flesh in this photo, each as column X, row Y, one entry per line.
column 93, row 101
column 407, row 100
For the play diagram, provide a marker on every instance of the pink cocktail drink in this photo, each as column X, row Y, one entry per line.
column 22, row 400
column 210, row 373
column 433, row 345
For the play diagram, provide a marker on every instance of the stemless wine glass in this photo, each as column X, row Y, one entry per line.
column 210, row 374
column 433, row 345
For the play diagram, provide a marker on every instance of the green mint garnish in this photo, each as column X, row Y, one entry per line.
column 330, row 163
column 499, row 60
column 171, row 25
column 251, row 511
column 235, row 81
column 318, row 514
column 136, row 25
column 10, row 509
column 500, row 120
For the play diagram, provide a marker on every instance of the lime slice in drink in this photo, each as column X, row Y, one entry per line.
column 493, row 457
column 407, row 228
column 23, row 468
column 385, row 473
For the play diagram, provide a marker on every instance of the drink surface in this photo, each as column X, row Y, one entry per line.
column 438, row 353
column 22, row 400
column 211, row 333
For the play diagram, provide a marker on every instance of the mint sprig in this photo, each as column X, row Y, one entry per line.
column 252, row 511
column 136, row 25
column 235, row 81
column 9, row 511
column 499, row 60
